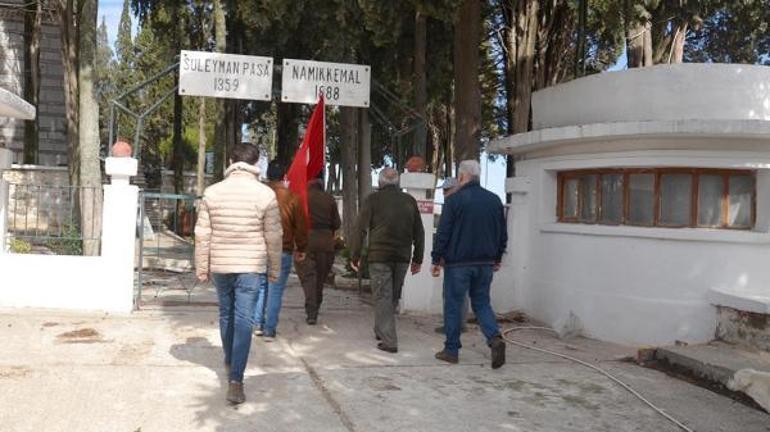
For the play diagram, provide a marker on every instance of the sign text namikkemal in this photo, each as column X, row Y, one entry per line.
column 225, row 75
column 340, row 84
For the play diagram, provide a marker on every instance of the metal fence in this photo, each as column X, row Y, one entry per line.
column 58, row 220
column 166, row 245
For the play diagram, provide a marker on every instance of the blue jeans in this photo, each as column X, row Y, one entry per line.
column 270, row 298
column 473, row 281
column 237, row 294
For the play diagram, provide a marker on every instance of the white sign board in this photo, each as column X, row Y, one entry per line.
column 341, row 84
column 225, row 75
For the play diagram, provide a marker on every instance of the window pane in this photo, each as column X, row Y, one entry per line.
column 710, row 190
column 570, row 198
column 588, row 198
column 641, row 197
column 741, row 191
column 675, row 199
column 612, row 198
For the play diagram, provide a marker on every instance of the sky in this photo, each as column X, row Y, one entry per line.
column 492, row 171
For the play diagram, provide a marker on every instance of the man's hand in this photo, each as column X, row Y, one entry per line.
column 416, row 268
column 299, row 256
column 435, row 270
column 496, row 266
column 355, row 265
column 272, row 279
column 203, row 277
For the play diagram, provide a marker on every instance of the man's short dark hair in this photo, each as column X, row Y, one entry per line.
column 276, row 170
column 244, row 152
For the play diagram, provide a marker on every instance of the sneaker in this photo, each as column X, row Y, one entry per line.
column 497, row 346
column 382, row 347
column 235, row 393
column 269, row 337
column 445, row 356
column 259, row 332
column 312, row 321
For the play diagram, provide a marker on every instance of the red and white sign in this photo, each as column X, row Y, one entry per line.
column 425, row 207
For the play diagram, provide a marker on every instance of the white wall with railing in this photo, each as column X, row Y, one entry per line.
column 94, row 283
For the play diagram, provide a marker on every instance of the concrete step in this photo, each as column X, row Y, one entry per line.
column 715, row 361
column 731, row 367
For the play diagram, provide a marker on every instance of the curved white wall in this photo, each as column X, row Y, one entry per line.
column 666, row 92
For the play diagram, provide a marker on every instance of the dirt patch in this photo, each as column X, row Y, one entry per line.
column 10, row 372
column 50, row 324
column 84, row 335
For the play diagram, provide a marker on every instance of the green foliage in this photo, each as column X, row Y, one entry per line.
column 68, row 244
column 19, row 246
column 738, row 31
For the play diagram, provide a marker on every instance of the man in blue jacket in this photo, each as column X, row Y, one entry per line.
column 469, row 245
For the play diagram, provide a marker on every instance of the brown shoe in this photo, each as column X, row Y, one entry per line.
column 445, row 356
column 235, row 393
column 382, row 347
column 497, row 346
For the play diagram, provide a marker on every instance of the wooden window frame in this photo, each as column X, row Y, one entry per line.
column 695, row 174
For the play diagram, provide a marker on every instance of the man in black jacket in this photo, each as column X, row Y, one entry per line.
column 392, row 220
column 469, row 245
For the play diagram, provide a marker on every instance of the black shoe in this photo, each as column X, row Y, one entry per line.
column 445, row 356
column 498, row 352
column 381, row 346
column 312, row 321
column 235, row 393
column 377, row 337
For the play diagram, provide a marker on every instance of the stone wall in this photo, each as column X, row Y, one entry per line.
column 40, row 201
column 51, row 111
column 748, row 329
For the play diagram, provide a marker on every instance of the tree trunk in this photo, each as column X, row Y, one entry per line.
column 676, row 53
column 420, row 83
column 349, row 120
column 364, row 154
column 201, row 174
column 177, row 144
column 467, row 39
column 69, row 48
column 287, row 132
column 88, row 154
column 33, row 22
column 220, row 38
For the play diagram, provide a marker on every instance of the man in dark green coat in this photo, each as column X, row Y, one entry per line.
column 396, row 238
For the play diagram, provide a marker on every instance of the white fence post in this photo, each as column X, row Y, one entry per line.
column 5, row 163
column 422, row 292
column 119, row 226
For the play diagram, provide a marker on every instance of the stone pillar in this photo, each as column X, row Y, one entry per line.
column 422, row 292
column 119, row 226
column 5, row 163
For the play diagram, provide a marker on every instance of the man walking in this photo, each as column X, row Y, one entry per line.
column 393, row 222
column 270, row 296
column 238, row 241
column 324, row 221
column 469, row 244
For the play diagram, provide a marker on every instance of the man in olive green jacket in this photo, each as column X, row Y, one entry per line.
column 395, row 238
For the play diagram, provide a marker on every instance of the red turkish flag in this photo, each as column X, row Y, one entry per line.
column 310, row 159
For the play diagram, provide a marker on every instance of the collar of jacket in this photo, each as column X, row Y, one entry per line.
column 471, row 184
column 242, row 167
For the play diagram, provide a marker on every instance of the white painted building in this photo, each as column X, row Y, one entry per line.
column 642, row 200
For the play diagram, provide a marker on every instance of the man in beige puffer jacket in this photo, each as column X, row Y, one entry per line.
column 238, row 240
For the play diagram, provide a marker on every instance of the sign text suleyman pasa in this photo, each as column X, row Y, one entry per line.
column 225, row 75
column 340, row 84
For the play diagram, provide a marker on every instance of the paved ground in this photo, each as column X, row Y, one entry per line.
column 160, row 370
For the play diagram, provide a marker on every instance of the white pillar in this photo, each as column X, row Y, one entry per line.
column 422, row 292
column 5, row 163
column 119, row 227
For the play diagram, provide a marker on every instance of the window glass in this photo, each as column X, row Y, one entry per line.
column 570, row 198
column 612, row 198
column 675, row 199
column 641, row 198
column 588, row 198
column 710, row 190
column 741, row 191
